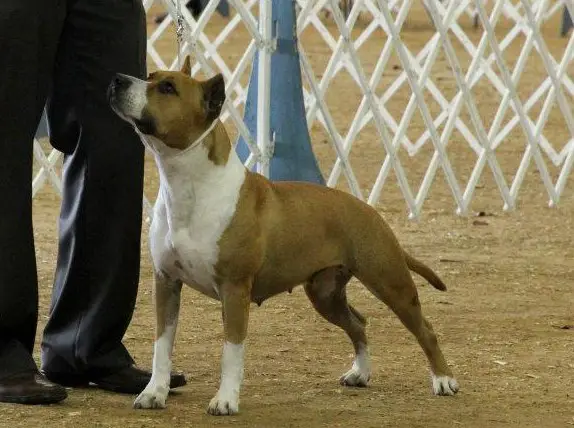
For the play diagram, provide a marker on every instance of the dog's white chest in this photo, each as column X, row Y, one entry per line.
column 189, row 220
column 188, row 254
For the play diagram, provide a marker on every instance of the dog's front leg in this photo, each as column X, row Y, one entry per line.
column 167, row 298
column 236, row 298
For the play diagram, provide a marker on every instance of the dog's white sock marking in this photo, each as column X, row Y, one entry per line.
column 360, row 373
column 444, row 385
column 155, row 393
column 226, row 401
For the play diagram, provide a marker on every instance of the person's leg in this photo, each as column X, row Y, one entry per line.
column 28, row 37
column 97, row 272
column 196, row 8
column 98, row 266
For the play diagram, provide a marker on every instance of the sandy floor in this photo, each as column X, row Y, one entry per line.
column 506, row 324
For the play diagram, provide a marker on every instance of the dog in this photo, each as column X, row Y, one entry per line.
column 239, row 238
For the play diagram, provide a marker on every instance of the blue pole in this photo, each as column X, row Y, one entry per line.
column 566, row 22
column 293, row 157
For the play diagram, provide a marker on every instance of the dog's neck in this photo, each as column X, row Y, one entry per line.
column 194, row 186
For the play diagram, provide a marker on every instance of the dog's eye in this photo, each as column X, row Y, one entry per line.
column 166, row 88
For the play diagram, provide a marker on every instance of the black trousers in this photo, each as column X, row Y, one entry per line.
column 62, row 54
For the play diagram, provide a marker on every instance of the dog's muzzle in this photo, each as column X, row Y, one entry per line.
column 128, row 104
column 119, row 84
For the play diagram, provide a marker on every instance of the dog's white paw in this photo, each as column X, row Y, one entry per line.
column 151, row 399
column 444, row 385
column 355, row 377
column 360, row 373
column 223, row 405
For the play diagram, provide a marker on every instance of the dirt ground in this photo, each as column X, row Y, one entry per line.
column 506, row 324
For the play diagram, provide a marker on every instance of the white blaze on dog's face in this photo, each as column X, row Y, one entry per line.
column 170, row 106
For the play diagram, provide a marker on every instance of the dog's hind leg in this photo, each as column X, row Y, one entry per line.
column 167, row 300
column 397, row 290
column 327, row 292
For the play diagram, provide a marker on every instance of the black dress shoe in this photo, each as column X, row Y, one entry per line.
column 129, row 380
column 30, row 387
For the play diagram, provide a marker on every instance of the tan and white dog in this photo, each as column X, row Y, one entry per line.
column 239, row 238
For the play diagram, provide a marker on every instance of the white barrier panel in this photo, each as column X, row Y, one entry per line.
column 478, row 60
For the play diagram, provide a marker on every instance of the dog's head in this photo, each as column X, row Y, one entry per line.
column 170, row 106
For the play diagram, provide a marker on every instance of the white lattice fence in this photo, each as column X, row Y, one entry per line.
column 416, row 74
column 411, row 96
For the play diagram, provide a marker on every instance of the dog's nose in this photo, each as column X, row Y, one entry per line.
column 119, row 81
column 118, row 85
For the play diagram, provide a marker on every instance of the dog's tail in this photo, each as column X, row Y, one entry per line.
column 424, row 271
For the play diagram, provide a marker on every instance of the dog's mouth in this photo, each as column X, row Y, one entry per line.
column 113, row 101
column 146, row 124
column 111, row 93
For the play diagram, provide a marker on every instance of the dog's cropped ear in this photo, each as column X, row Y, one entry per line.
column 213, row 96
column 186, row 68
